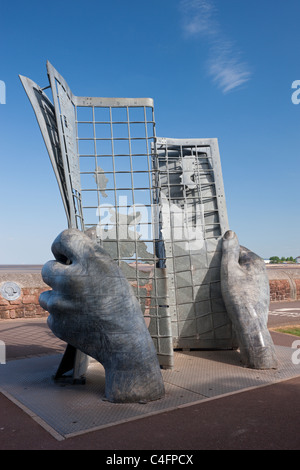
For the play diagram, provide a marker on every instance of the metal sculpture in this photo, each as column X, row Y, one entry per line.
column 155, row 205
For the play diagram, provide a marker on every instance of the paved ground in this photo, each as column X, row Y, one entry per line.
column 284, row 313
column 263, row 418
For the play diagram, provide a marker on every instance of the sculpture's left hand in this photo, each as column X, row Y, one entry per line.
column 93, row 308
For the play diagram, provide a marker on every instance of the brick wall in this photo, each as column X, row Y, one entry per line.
column 284, row 286
column 284, row 282
column 280, row 290
column 297, row 282
column 27, row 305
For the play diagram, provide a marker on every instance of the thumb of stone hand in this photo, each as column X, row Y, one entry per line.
column 231, row 252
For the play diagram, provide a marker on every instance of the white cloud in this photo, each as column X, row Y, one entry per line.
column 199, row 18
column 227, row 69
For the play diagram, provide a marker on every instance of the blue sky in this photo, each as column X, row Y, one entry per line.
column 215, row 68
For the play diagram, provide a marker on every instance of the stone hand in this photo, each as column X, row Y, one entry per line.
column 93, row 308
column 245, row 290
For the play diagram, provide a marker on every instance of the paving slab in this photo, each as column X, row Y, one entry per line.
column 219, row 405
column 66, row 410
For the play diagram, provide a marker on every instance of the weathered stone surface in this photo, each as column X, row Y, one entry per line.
column 246, row 293
column 93, row 308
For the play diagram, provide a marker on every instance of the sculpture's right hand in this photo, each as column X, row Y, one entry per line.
column 245, row 291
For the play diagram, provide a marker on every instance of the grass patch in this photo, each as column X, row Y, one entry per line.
column 290, row 330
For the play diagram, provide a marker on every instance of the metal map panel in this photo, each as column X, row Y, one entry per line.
column 194, row 218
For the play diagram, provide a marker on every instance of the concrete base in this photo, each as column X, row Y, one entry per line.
column 67, row 410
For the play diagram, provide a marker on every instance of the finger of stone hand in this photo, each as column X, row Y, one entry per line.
column 251, row 261
column 57, row 275
column 43, row 299
column 54, row 302
column 231, row 248
column 71, row 245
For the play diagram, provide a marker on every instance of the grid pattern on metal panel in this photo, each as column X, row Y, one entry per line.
column 107, row 149
column 45, row 114
column 193, row 222
column 118, row 190
column 65, row 108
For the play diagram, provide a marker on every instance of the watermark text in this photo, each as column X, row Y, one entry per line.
column 296, row 353
column 296, row 93
column 2, row 92
column 139, row 222
column 2, row 353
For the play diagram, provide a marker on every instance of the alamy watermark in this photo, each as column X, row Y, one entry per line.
column 296, row 100
column 296, row 93
column 2, row 92
column 2, row 353
column 139, row 222
column 296, row 353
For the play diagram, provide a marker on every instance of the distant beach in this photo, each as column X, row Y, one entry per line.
column 21, row 268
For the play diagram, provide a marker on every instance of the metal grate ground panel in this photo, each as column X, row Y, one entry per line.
column 66, row 410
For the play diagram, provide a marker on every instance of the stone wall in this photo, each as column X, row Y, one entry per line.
column 284, row 286
column 28, row 286
column 284, row 282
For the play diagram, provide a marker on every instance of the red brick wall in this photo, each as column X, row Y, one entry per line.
column 280, row 290
column 284, row 282
column 27, row 305
column 297, row 282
